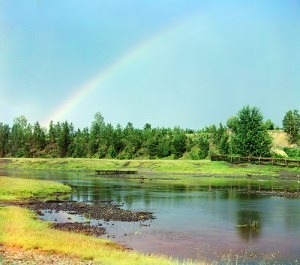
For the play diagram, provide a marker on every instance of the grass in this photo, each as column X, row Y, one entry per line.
column 20, row 228
column 183, row 172
column 145, row 166
column 18, row 189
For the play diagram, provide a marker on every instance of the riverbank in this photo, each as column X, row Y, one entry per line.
column 23, row 189
column 21, row 230
column 182, row 172
column 198, row 167
column 237, row 178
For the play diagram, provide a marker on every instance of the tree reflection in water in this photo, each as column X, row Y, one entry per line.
column 249, row 224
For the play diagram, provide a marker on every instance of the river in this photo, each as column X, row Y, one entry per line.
column 192, row 222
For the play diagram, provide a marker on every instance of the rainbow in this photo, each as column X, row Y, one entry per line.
column 96, row 81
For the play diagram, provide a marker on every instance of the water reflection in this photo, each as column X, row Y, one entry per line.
column 249, row 224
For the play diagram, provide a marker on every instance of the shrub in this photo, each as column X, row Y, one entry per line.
column 292, row 152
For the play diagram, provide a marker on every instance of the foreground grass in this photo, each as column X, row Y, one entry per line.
column 205, row 167
column 20, row 228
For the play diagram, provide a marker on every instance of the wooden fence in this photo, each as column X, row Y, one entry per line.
column 257, row 160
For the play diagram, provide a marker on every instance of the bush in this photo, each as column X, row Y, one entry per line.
column 292, row 152
column 194, row 153
column 112, row 152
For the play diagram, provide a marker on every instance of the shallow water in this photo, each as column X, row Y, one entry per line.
column 192, row 222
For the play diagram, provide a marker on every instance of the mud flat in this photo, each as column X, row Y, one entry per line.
column 274, row 193
column 99, row 210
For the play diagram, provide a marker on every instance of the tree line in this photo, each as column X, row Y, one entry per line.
column 245, row 134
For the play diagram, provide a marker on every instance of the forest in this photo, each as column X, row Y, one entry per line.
column 245, row 134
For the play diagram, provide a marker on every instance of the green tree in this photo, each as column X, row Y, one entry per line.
column 132, row 141
column 38, row 142
column 251, row 137
column 291, row 125
column 4, row 138
column 269, row 125
column 178, row 142
column 164, row 142
column 232, row 123
column 52, row 134
column 215, row 135
column 224, row 144
column 117, row 140
column 64, row 139
column 111, row 152
column 81, row 142
column 51, row 149
column 19, row 138
column 152, row 147
column 203, row 144
column 96, row 135
column 149, row 143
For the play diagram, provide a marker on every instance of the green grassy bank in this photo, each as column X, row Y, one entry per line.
column 205, row 167
column 20, row 228
column 18, row 189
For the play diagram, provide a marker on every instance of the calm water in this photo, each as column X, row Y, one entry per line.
column 191, row 221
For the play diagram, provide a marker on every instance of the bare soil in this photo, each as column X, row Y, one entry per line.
column 16, row 256
column 105, row 210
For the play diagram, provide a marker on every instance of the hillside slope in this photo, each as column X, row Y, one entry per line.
column 280, row 139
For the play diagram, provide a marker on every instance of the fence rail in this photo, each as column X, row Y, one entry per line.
column 257, row 160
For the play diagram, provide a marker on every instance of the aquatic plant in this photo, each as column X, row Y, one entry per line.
column 253, row 224
column 250, row 224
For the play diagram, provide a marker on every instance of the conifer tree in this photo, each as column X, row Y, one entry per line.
column 4, row 137
column 64, row 140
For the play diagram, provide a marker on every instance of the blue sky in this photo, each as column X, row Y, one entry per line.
column 187, row 63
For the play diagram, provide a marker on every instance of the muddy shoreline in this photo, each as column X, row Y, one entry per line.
column 102, row 211
column 267, row 193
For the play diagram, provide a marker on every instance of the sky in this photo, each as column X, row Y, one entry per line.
column 187, row 63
